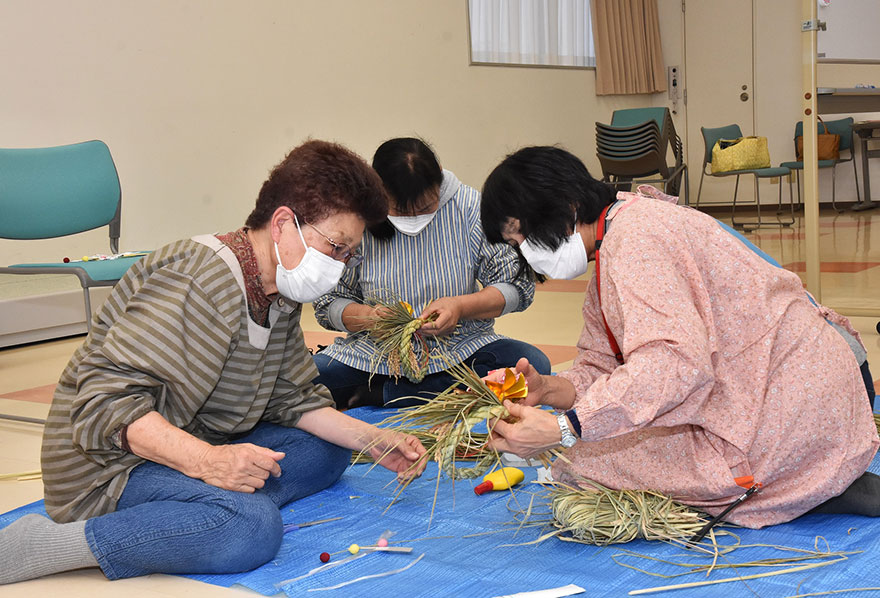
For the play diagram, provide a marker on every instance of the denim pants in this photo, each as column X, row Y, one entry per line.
column 344, row 381
column 166, row 522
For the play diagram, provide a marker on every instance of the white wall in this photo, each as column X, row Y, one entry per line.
column 197, row 100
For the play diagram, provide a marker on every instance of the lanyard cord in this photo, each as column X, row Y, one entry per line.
column 600, row 234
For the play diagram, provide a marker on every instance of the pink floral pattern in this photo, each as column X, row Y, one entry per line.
column 729, row 372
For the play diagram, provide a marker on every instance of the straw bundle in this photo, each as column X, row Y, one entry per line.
column 600, row 516
column 398, row 341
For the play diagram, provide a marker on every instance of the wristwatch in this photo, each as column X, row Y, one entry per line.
column 568, row 438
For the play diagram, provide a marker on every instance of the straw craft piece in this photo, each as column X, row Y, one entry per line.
column 601, row 516
column 398, row 340
column 448, row 419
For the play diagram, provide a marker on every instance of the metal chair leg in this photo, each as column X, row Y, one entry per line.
column 855, row 176
column 700, row 190
column 687, row 186
column 783, row 222
column 834, row 188
column 733, row 209
column 88, row 302
column 758, row 200
column 779, row 206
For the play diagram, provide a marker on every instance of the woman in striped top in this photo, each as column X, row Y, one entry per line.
column 189, row 416
column 432, row 253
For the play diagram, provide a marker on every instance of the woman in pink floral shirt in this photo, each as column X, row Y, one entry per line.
column 727, row 374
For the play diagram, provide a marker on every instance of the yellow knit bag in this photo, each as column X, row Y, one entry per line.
column 744, row 153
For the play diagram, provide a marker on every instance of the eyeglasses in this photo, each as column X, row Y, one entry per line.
column 341, row 251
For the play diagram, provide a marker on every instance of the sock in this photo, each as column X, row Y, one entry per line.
column 861, row 498
column 35, row 546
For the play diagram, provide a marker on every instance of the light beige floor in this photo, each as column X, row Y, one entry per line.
column 851, row 279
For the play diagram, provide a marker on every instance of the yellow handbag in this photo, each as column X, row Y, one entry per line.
column 745, row 153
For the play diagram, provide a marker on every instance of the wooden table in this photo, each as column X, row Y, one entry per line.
column 839, row 100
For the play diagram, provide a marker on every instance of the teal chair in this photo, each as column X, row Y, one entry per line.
column 59, row 191
column 842, row 127
column 710, row 137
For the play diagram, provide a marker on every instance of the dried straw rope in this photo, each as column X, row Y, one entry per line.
column 398, row 341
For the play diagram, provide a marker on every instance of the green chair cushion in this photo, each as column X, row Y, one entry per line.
column 103, row 270
column 799, row 165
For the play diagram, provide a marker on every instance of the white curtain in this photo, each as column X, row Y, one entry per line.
column 547, row 32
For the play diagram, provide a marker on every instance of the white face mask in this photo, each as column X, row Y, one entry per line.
column 412, row 225
column 316, row 274
column 567, row 262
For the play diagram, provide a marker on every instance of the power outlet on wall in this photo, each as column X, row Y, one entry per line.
column 673, row 80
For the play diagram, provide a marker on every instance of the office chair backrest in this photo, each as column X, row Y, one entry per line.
column 841, row 126
column 844, row 128
column 57, row 191
column 635, row 116
column 712, row 135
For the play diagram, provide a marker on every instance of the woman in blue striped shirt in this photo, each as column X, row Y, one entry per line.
column 433, row 254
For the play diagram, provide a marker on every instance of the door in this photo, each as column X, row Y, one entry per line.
column 719, row 79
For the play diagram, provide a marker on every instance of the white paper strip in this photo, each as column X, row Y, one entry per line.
column 569, row 590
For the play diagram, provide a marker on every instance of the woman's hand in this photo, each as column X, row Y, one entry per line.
column 358, row 316
column 534, row 380
column 400, row 453
column 448, row 310
column 240, row 467
column 553, row 391
column 534, row 432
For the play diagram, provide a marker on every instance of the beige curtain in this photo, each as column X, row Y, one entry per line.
column 629, row 59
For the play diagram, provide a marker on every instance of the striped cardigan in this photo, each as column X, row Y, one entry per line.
column 450, row 257
column 174, row 336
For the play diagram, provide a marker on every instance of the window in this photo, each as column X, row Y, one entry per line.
column 531, row 32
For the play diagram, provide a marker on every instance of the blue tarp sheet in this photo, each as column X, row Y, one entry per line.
column 457, row 562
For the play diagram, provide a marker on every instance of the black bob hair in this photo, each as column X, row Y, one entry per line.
column 409, row 169
column 546, row 188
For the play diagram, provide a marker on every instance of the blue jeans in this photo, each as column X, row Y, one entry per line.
column 166, row 522
column 345, row 381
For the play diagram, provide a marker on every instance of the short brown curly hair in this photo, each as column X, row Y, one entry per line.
column 319, row 179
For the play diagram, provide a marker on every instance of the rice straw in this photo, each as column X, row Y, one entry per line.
column 22, row 475
column 398, row 340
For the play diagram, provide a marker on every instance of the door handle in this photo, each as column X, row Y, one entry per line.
column 744, row 97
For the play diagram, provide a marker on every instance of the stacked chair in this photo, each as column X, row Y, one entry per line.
column 634, row 147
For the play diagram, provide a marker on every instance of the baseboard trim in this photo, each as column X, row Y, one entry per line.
column 43, row 317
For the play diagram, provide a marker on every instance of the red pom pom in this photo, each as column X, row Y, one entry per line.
column 325, row 557
column 66, row 260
